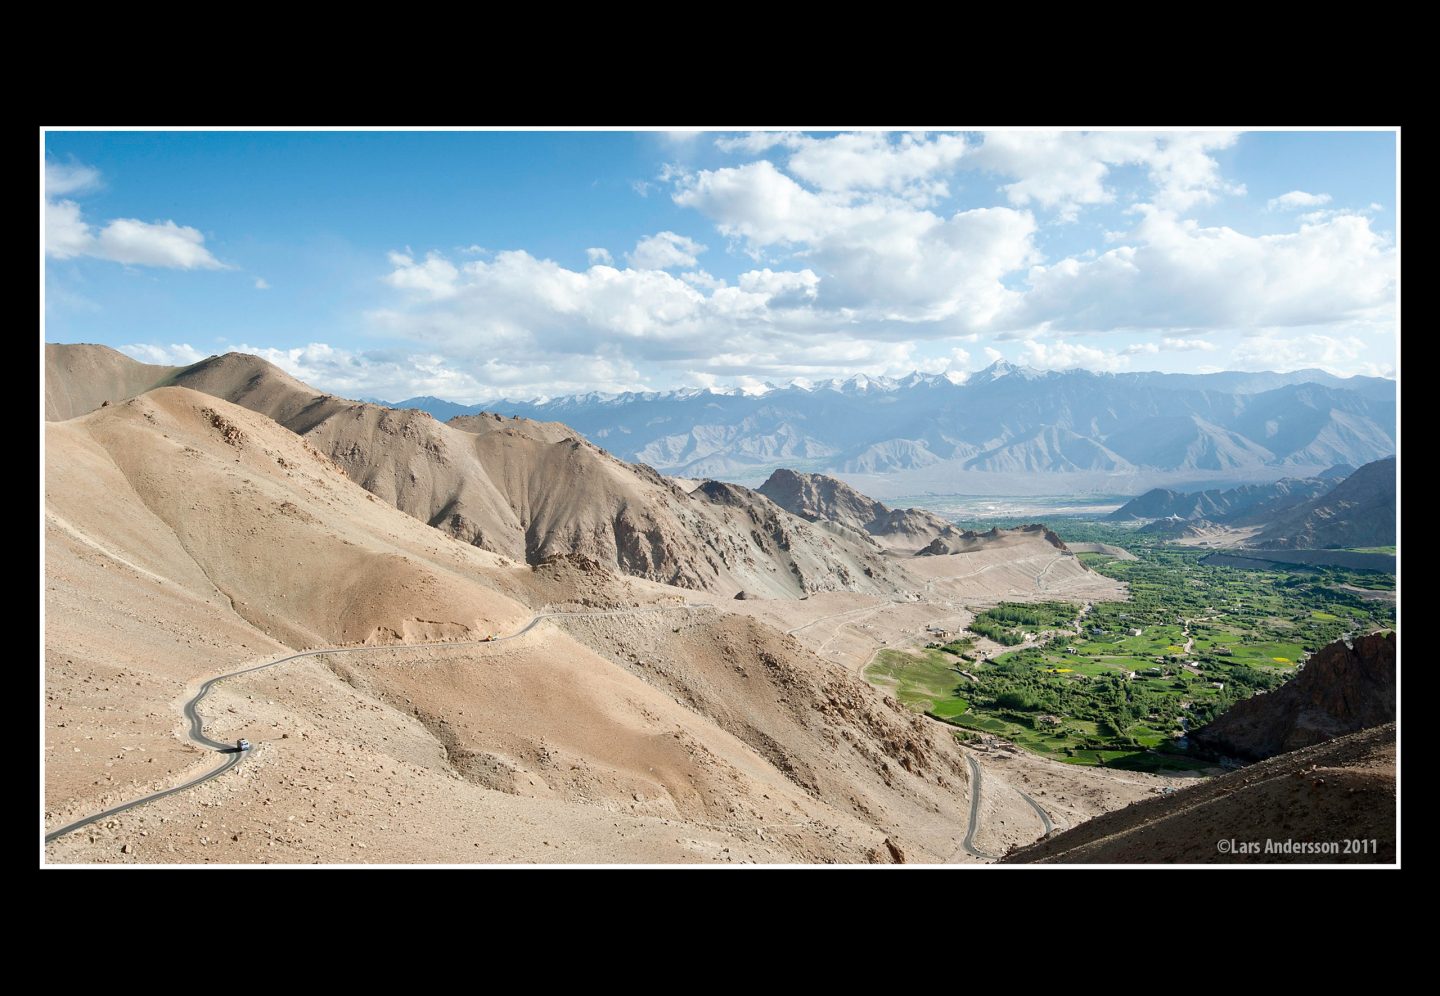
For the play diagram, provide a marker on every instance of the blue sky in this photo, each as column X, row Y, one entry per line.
column 473, row 265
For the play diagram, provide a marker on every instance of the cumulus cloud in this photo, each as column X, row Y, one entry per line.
column 1338, row 354
column 872, row 161
column 855, row 264
column 956, row 365
column 1180, row 275
column 70, row 178
column 261, row 283
column 663, row 251
column 123, row 240
column 399, row 374
column 176, row 354
column 756, row 142
column 434, row 277
column 881, row 259
column 702, row 279
column 1187, row 345
column 1069, row 355
column 496, row 317
column 1066, row 171
column 1295, row 200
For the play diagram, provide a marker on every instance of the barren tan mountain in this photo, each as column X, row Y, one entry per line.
column 816, row 497
column 81, row 378
column 187, row 536
column 531, row 490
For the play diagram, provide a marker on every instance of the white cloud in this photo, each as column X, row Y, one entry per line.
column 1179, row 275
column 1068, row 355
column 663, row 251
column 993, row 355
column 1188, row 345
column 702, row 279
column 856, row 268
column 123, row 240
column 756, row 142
column 495, row 317
column 1274, row 351
column 177, row 354
column 881, row 259
column 1295, row 200
column 435, row 277
column 397, row 375
column 66, row 233
column 69, row 178
column 261, row 283
column 871, row 161
column 958, row 363
column 163, row 243
column 1066, row 171
column 1325, row 214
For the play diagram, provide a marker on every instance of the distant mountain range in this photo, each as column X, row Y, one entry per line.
column 1360, row 511
column 1246, row 505
column 1328, row 511
column 1005, row 419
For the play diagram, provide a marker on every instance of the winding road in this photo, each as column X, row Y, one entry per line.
column 233, row 756
column 1044, row 816
column 969, row 842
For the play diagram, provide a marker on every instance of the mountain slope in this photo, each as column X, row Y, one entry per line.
column 1244, row 505
column 1004, row 419
column 188, row 536
column 815, row 498
column 1341, row 790
column 1358, row 512
column 81, row 378
column 530, row 491
column 1344, row 687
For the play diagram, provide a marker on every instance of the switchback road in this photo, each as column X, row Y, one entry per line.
column 233, row 756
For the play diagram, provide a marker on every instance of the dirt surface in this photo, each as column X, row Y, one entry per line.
column 81, row 378
column 1109, row 549
column 187, row 536
column 1321, row 796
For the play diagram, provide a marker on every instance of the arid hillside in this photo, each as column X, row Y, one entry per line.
column 1344, row 687
column 529, row 490
column 187, row 537
column 611, row 717
column 82, row 378
column 1342, row 790
column 816, row 497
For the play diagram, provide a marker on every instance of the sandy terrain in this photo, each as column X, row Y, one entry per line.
column 81, row 378
column 1219, row 537
column 1109, row 549
column 187, row 536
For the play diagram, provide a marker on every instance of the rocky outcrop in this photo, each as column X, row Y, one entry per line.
column 1344, row 687
column 818, row 498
